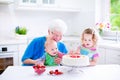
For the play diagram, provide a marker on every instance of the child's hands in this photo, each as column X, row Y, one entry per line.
column 74, row 53
column 58, row 60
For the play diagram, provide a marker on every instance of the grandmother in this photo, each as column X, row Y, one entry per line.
column 36, row 49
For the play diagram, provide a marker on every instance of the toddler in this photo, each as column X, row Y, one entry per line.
column 52, row 56
column 89, row 43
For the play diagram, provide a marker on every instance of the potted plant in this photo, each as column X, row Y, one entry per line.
column 21, row 32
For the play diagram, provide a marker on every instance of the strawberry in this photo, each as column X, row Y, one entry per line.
column 73, row 56
column 60, row 73
column 51, row 72
column 56, row 70
column 42, row 66
column 78, row 56
column 39, row 69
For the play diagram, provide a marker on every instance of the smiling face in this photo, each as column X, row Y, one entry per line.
column 87, row 40
column 56, row 35
column 51, row 47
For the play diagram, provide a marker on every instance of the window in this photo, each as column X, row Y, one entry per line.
column 108, row 11
column 115, row 15
column 48, row 1
column 29, row 1
column 36, row 2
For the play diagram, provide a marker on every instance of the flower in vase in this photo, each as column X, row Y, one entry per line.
column 102, row 26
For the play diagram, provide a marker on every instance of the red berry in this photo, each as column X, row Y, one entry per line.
column 60, row 72
column 42, row 66
column 34, row 66
column 51, row 72
column 56, row 70
column 73, row 56
column 40, row 71
column 78, row 56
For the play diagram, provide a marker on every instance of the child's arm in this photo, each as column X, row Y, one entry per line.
column 93, row 62
column 78, row 50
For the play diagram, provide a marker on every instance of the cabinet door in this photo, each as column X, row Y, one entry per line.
column 22, row 48
column 36, row 2
column 102, row 55
column 27, row 2
column 69, row 4
column 71, row 44
column 112, row 56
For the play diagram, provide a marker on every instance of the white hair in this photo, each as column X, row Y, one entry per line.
column 58, row 25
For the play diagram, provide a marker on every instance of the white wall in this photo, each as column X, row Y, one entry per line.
column 38, row 21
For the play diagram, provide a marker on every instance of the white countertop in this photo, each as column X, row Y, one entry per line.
column 98, row 72
column 12, row 41
column 102, row 43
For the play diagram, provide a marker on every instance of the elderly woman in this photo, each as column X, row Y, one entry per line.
column 36, row 49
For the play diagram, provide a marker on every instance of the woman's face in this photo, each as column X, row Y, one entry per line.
column 56, row 36
column 87, row 40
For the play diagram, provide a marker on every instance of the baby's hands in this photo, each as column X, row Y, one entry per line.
column 58, row 60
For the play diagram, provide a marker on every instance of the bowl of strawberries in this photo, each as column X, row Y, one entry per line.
column 39, row 69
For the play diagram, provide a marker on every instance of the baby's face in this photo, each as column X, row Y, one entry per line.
column 52, row 49
column 88, row 41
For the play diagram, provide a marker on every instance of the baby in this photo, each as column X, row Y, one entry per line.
column 88, row 47
column 52, row 56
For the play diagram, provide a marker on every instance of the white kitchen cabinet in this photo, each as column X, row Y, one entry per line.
column 49, row 5
column 21, row 48
column 71, row 45
column 6, row 1
column 112, row 56
column 102, row 55
column 71, row 42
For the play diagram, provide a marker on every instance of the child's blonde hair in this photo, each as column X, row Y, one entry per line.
column 50, row 42
column 92, row 32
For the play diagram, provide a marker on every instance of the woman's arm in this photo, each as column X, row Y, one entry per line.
column 30, row 61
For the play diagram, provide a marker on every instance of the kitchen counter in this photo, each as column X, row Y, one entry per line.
column 12, row 41
column 109, row 44
column 102, row 43
column 98, row 72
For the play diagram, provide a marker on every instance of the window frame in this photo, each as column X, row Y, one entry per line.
column 103, row 15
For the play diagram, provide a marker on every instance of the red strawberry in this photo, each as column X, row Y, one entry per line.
column 34, row 66
column 56, row 70
column 40, row 71
column 42, row 66
column 51, row 72
column 78, row 56
column 60, row 73
column 73, row 56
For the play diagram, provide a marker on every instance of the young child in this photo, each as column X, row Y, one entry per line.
column 52, row 56
column 89, row 43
